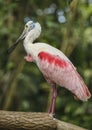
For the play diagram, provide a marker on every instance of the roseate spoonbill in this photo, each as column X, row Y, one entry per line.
column 54, row 65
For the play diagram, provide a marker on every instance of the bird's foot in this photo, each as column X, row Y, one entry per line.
column 28, row 58
column 52, row 115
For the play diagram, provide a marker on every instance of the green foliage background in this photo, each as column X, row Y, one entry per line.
column 66, row 25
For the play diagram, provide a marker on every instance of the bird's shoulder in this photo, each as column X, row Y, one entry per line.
column 46, row 50
column 50, row 54
column 43, row 47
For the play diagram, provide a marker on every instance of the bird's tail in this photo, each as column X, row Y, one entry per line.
column 82, row 91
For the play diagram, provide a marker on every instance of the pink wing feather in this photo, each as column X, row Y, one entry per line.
column 62, row 72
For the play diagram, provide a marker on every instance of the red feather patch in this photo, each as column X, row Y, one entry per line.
column 52, row 59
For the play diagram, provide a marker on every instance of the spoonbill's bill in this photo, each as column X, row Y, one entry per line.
column 54, row 65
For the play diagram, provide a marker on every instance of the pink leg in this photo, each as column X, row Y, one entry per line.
column 53, row 101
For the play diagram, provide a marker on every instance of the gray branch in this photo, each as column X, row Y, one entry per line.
column 32, row 121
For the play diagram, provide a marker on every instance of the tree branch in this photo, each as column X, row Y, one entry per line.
column 32, row 121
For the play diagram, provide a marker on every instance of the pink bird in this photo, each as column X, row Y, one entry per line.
column 54, row 65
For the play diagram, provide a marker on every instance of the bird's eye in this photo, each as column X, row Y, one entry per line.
column 26, row 26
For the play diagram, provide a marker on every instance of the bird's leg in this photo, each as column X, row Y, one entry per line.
column 53, row 101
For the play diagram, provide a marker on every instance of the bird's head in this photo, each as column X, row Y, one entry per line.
column 29, row 27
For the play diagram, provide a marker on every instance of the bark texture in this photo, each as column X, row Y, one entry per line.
column 32, row 121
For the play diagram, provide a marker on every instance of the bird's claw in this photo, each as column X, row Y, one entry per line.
column 52, row 115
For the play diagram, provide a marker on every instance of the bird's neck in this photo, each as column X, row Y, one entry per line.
column 29, row 39
column 28, row 45
column 32, row 35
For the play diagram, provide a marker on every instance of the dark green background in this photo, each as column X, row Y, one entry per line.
column 66, row 25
